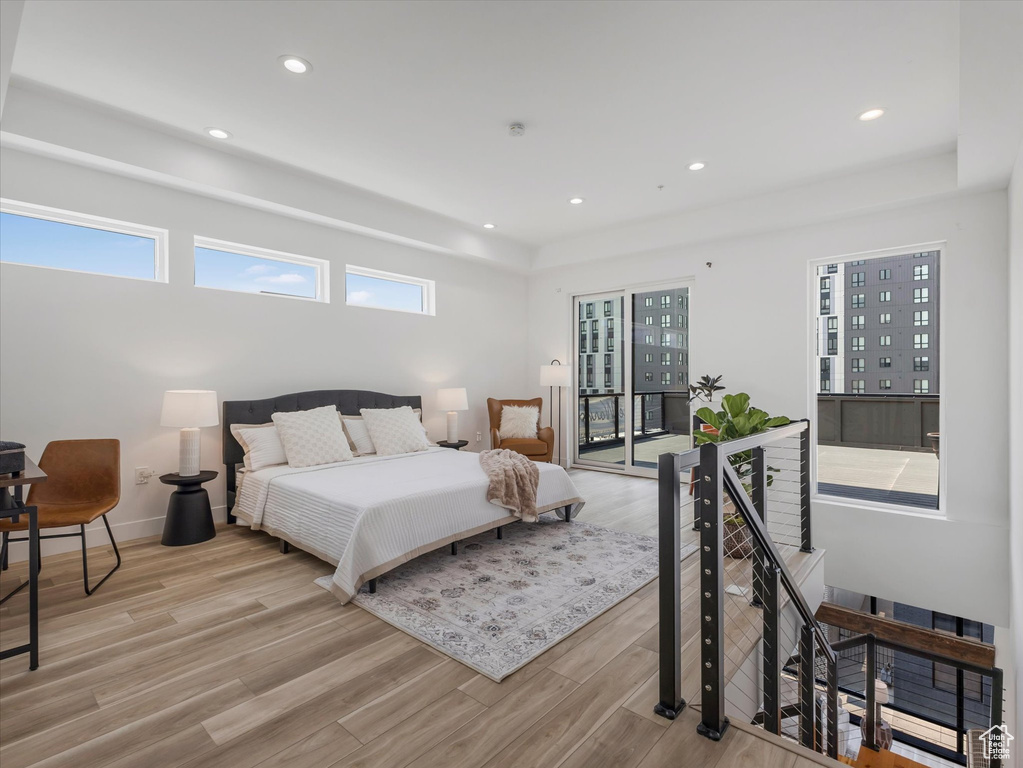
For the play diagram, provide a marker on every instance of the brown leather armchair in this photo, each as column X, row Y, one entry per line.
column 540, row 448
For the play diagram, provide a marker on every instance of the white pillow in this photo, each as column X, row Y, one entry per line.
column 358, row 433
column 261, row 443
column 312, row 437
column 395, row 430
column 519, row 421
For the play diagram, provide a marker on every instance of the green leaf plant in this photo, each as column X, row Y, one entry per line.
column 738, row 419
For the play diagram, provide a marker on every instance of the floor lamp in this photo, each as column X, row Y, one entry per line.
column 556, row 375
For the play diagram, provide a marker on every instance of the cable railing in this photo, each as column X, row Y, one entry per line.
column 762, row 655
column 602, row 416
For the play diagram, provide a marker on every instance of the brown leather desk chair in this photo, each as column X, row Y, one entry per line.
column 83, row 483
column 540, row 448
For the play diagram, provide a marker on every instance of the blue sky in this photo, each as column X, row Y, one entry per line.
column 235, row 272
column 25, row 240
column 374, row 292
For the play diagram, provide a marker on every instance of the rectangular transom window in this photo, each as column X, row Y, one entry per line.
column 248, row 269
column 372, row 288
column 37, row 236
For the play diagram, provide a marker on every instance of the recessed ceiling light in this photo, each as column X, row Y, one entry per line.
column 295, row 64
column 871, row 114
column 697, row 166
column 218, row 133
column 488, row 226
column 575, row 200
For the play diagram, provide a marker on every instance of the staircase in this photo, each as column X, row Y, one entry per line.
column 754, row 651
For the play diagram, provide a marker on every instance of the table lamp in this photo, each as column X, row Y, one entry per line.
column 452, row 400
column 556, row 375
column 189, row 409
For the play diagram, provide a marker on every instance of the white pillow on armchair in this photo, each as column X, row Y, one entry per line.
column 519, row 422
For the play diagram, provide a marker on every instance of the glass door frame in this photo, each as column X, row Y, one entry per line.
column 627, row 293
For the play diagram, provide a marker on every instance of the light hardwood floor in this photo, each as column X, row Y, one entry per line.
column 225, row 654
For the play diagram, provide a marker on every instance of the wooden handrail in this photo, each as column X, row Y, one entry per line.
column 958, row 648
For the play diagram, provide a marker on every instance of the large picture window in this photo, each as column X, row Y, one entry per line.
column 37, row 236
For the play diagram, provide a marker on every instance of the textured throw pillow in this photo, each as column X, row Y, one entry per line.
column 358, row 434
column 261, row 443
column 395, row 430
column 519, row 421
column 312, row 437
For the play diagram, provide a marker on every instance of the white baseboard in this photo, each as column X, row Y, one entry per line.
column 96, row 535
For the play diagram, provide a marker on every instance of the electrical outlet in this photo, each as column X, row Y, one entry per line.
column 142, row 475
column 479, row 437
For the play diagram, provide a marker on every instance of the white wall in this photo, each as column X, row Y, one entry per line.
column 1015, row 289
column 97, row 352
column 751, row 323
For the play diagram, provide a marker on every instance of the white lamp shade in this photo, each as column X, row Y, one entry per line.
column 880, row 692
column 454, row 399
column 189, row 408
column 555, row 376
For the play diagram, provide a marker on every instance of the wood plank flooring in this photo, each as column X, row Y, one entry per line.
column 225, row 654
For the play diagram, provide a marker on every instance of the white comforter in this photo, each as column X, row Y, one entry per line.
column 373, row 513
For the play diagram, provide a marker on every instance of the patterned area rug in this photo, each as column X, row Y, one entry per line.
column 500, row 603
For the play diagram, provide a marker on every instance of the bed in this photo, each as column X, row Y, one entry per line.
column 372, row 513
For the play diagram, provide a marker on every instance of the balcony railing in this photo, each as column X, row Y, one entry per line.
column 892, row 422
column 602, row 417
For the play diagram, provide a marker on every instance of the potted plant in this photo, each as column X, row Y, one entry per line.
column 703, row 390
column 737, row 419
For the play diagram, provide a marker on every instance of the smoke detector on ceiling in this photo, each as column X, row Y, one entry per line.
column 516, row 129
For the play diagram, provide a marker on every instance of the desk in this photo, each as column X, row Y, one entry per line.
column 13, row 506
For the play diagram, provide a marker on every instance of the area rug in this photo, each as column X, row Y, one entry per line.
column 499, row 603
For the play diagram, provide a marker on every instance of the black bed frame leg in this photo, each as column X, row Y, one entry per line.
column 500, row 531
column 372, row 586
column 454, row 547
column 568, row 514
column 284, row 547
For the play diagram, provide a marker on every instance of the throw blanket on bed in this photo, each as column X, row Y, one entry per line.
column 513, row 482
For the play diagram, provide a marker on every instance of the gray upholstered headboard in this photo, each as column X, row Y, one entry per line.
column 347, row 401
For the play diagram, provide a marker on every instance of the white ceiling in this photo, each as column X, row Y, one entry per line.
column 412, row 99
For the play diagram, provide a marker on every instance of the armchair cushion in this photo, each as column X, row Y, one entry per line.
column 519, row 422
column 525, row 446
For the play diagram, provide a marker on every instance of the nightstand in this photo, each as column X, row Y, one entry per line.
column 189, row 517
column 456, row 445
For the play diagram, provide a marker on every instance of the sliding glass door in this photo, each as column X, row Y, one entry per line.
column 633, row 375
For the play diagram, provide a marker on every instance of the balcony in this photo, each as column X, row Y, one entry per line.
column 870, row 447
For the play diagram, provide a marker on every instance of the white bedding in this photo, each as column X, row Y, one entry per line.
column 373, row 513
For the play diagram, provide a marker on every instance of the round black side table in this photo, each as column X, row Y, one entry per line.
column 189, row 517
column 457, row 445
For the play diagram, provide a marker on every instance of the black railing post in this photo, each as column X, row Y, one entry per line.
column 806, row 534
column 664, row 411
column 833, row 708
column 586, row 419
column 807, row 707
column 642, row 415
column 870, row 697
column 996, row 707
column 618, row 428
column 771, row 670
column 759, row 498
column 696, row 493
column 669, row 600
column 712, row 588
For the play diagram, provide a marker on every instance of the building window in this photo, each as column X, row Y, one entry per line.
column 857, row 263
column 885, row 319
column 665, row 379
column 589, row 311
column 884, row 362
column 665, row 302
column 884, row 296
column 608, row 308
column 825, row 385
column 921, row 340
column 682, row 379
column 649, row 320
column 35, row 236
column 859, row 365
column 884, row 384
column 648, row 301
column 921, row 387
column 859, row 343
column 859, row 279
column 921, row 364
column 245, row 268
column 665, row 339
column 832, row 269
column 682, row 321
column 884, row 274
column 648, row 357
column 665, row 321
column 665, row 358
column 921, row 295
column 858, row 322
column 921, row 317
column 884, row 341
column 825, row 283
column 921, row 271
column 859, row 386
column 648, row 376
column 648, row 338
column 859, row 300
